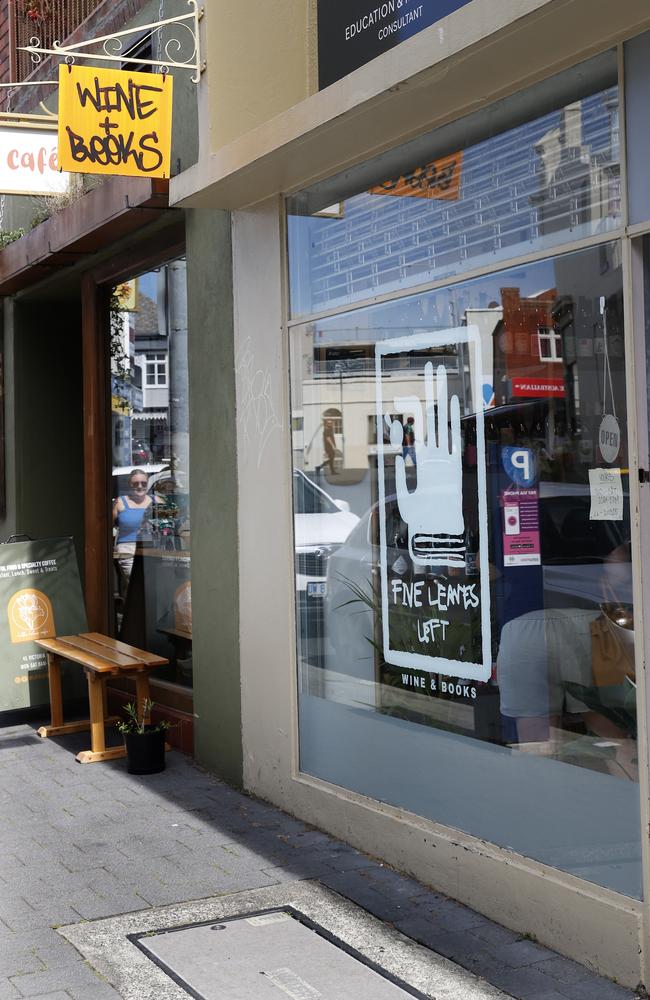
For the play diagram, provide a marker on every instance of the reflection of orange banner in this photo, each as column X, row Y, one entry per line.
column 438, row 179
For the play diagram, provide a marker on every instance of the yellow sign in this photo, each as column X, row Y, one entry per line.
column 119, row 404
column 126, row 296
column 438, row 179
column 114, row 122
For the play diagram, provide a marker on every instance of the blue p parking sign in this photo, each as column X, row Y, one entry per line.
column 519, row 464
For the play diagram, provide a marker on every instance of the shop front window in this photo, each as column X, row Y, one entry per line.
column 150, row 485
column 469, row 195
column 463, row 560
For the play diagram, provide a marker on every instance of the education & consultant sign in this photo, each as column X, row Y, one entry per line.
column 352, row 32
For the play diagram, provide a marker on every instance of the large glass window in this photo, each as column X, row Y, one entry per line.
column 470, row 195
column 150, row 486
column 463, row 559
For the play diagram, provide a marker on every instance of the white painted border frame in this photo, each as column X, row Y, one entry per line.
column 436, row 664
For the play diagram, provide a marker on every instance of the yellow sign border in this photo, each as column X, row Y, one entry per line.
column 111, row 123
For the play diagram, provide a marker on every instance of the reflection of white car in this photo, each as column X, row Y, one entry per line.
column 321, row 526
column 585, row 562
column 353, row 571
column 351, row 621
column 121, row 475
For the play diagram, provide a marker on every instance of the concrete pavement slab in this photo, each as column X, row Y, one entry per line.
column 112, row 945
column 94, row 842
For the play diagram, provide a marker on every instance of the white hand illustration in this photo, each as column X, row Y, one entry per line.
column 434, row 511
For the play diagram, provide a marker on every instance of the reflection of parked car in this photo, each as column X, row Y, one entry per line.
column 350, row 621
column 352, row 571
column 585, row 562
column 321, row 526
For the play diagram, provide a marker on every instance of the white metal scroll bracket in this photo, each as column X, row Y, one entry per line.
column 110, row 48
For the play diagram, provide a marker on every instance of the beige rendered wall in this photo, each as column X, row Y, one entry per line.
column 484, row 51
column 264, row 476
column 260, row 61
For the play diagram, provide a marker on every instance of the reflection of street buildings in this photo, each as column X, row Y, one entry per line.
column 563, row 172
column 552, row 348
column 341, row 393
column 528, row 360
column 517, row 189
column 486, row 321
column 141, row 374
column 580, row 179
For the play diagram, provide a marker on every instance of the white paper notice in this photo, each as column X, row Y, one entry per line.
column 606, row 495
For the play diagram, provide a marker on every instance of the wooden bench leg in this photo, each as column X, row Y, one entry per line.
column 98, row 751
column 56, row 693
column 142, row 693
column 57, row 726
column 96, row 702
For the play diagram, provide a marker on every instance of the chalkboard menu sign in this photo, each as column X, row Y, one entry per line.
column 352, row 32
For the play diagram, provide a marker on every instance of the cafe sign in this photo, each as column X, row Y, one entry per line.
column 114, row 121
column 29, row 163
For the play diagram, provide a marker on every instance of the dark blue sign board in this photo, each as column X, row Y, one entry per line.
column 352, row 32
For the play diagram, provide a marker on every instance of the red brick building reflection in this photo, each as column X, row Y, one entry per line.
column 528, row 358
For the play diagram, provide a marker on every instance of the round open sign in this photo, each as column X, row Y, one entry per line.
column 609, row 438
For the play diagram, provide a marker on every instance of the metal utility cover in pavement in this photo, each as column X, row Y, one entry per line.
column 265, row 955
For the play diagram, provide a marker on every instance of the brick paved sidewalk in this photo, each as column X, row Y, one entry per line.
column 83, row 842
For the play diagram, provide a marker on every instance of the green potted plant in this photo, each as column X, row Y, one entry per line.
column 144, row 740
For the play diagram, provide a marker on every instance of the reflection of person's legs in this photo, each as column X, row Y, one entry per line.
column 522, row 674
column 408, row 451
column 540, row 652
column 331, row 454
column 124, row 555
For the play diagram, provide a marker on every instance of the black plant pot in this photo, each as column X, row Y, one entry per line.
column 145, row 752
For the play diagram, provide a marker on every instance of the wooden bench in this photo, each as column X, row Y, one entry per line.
column 101, row 657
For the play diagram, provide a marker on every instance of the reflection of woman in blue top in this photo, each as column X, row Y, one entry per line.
column 129, row 512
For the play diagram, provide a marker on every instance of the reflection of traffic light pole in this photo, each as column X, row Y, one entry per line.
column 338, row 367
column 465, row 375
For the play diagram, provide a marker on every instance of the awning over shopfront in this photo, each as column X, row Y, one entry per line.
column 156, row 416
column 115, row 209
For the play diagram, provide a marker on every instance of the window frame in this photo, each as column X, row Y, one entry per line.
column 159, row 362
